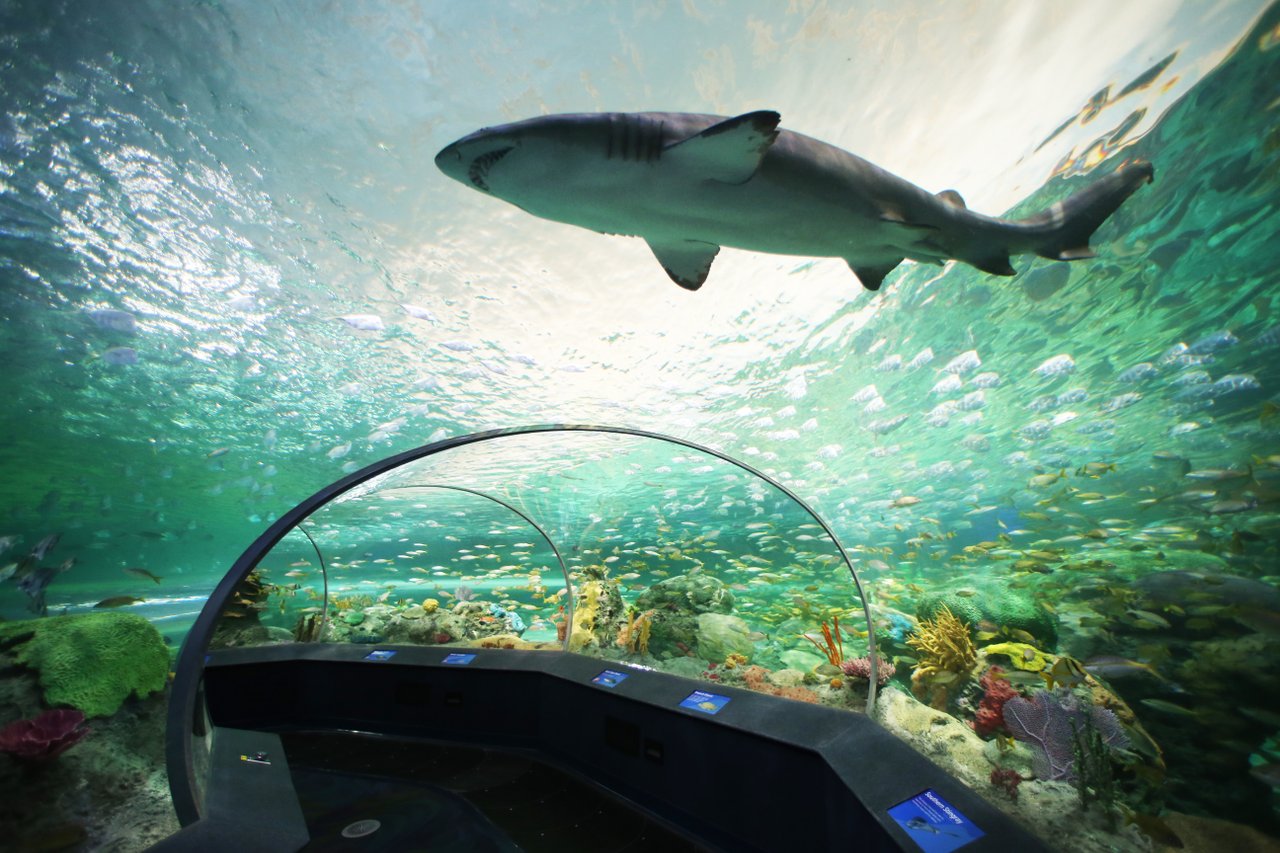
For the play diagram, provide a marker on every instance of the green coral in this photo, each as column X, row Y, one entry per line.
column 1002, row 607
column 91, row 661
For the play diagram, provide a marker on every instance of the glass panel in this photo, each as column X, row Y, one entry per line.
column 673, row 558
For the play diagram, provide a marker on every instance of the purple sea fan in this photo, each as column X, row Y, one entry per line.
column 861, row 668
column 1047, row 721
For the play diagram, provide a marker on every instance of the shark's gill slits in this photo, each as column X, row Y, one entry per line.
column 480, row 166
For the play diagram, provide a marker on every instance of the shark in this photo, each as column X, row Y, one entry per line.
column 690, row 183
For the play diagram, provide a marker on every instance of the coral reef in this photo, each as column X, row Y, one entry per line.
column 996, row 691
column 1048, row 722
column 634, row 636
column 1006, row 780
column 91, row 661
column 1021, row 656
column 944, row 644
column 861, row 668
column 757, row 678
column 1001, row 606
column 1094, row 775
column 832, row 646
column 46, row 737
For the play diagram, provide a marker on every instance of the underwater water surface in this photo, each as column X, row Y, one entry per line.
column 230, row 274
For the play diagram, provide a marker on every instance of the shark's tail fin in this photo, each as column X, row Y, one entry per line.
column 1067, row 225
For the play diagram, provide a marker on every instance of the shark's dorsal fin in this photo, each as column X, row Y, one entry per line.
column 730, row 151
column 872, row 276
column 953, row 198
column 686, row 261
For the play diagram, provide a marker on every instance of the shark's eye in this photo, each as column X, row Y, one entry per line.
column 480, row 166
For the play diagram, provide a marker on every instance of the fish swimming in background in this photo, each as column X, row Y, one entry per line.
column 689, row 183
column 118, row 601
column 143, row 574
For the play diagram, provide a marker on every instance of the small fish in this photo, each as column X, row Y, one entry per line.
column 44, row 546
column 1147, row 619
column 1065, row 672
column 143, row 574
column 1267, row 773
column 1115, row 668
column 1095, row 469
column 906, row 500
column 1169, row 708
column 1216, row 475
column 1058, row 365
column 118, row 601
column 216, row 452
column 1041, row 480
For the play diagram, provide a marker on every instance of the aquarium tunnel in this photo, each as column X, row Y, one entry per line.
column 570, row 539
column 937, row 349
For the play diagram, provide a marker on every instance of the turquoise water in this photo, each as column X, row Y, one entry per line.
column 193, row 198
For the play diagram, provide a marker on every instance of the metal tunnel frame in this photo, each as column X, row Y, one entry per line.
column 189, row 668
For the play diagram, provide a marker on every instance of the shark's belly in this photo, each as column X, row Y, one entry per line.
column 765, row 214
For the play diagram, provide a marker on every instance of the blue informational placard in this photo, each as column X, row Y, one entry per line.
column 610, row 678
column 934, row 824
column 458, row 659
column 707, row 703
column 381, row 654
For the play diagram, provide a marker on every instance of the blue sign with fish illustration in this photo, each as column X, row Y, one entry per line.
column 707, row 703
column 380, row 654
column 934, row 824
column 458, row 659
column 610, row 678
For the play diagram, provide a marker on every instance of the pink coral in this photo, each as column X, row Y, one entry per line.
column 45, row 737
column 996, row 691
column 861, row 668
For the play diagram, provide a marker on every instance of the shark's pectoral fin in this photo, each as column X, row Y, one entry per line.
column 872, row 276
column 686, row 261
column 730, row 151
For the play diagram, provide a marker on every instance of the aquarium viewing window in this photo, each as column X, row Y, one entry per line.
column 618, row 544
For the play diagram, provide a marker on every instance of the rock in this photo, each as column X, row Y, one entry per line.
column 800, row 659
column 691, row 594
column 943, row 739
column 1018, row 757
column 720, row 635
column 786, row 678
column 353, row 617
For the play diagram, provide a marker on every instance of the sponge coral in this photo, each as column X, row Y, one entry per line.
column 91, row 661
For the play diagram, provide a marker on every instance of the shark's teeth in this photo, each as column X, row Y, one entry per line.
column 480, row 166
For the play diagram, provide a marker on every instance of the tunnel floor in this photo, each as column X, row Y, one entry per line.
column 445, row 797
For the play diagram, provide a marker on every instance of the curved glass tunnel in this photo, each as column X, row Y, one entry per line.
column 605, row 541
column 620, row 544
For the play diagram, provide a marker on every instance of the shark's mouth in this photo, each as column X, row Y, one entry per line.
column 480, row 167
